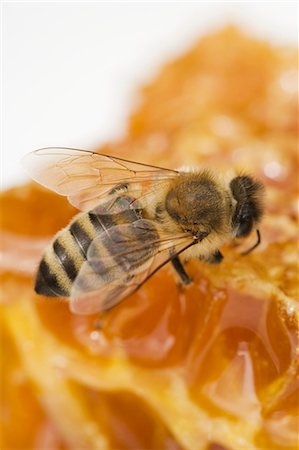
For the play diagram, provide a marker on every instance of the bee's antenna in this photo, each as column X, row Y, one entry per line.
column 258, row 234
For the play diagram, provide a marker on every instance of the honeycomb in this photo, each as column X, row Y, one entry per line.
column 213, row 366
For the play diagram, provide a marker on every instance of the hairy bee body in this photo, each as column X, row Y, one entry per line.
column 136, row 219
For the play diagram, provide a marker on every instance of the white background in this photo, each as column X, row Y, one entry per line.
column 71, row 71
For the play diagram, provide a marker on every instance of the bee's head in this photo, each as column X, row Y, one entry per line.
column 249, row 208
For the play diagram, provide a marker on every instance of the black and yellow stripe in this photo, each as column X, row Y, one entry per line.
column 115, row 251
column 63, row 259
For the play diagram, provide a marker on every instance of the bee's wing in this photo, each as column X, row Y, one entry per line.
column 85, row 176
column 118, row 263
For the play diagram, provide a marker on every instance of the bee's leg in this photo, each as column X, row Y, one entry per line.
column 179, row 268
column 214, row 258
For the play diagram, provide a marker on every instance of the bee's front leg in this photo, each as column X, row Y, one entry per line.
column 180, row 270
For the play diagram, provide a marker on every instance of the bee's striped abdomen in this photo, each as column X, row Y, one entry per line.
column 126, row 242
column 46, row 282
column 81, row 237
column 63, row 259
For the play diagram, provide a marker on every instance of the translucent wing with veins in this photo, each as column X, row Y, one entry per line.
column 120, row 260
column 85, row 177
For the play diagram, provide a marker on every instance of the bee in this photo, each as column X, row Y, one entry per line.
column 135, row 219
